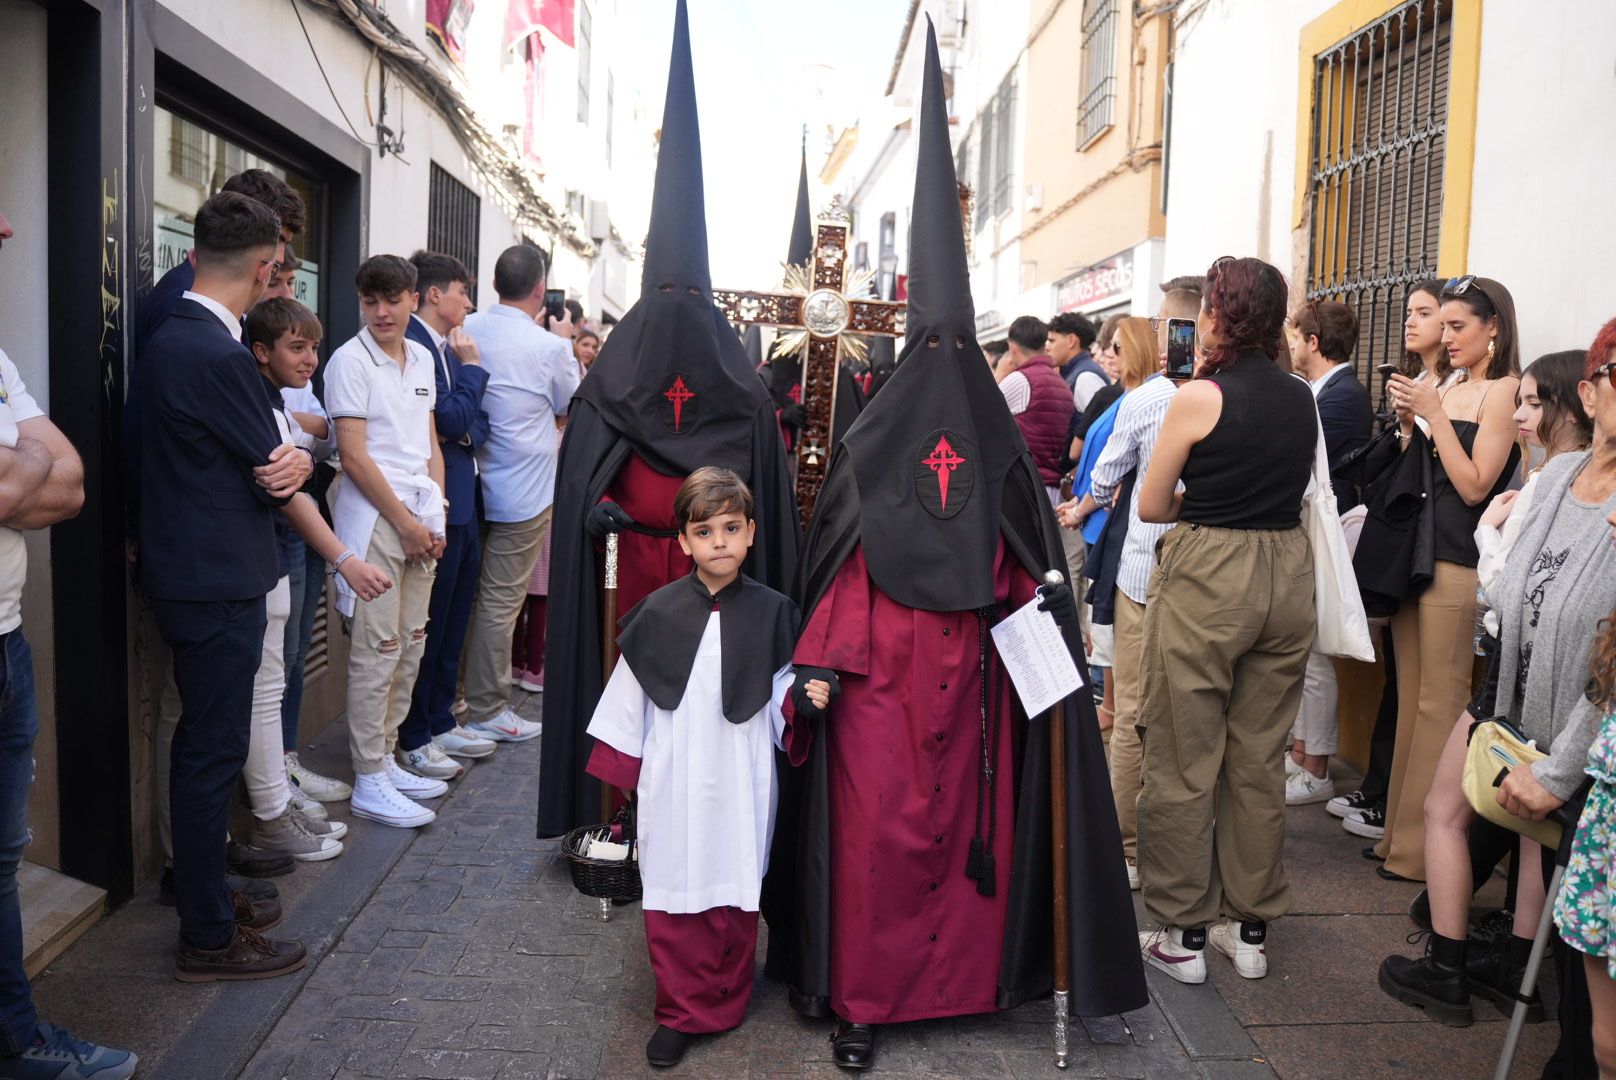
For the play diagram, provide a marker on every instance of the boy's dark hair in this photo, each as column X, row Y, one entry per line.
column 518, row 271
column 1333, row 324
column 576, row 310
column 290, row 261
column 230, row 228
column 263, row 186
column 708, row 492
column 1070, row 322
column 269, row 319
column 1030, row 333
column 435, row 269
column 385, row 276
column 995, row 349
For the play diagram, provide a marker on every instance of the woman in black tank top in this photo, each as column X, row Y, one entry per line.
column 1470, row 423
column 1228, row 625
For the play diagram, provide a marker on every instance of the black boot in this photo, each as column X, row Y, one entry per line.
column 1496, row 970
column 853, row 1045
column 1436, row 982
column 667, row 1047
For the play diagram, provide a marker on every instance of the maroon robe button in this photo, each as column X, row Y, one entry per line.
column 945, row 631
column 938, row 838
column 728, row 949
column 939, row 736
column 943, row 687
column 937, row 787
column 723, row 991
column 934, row 937
column 934, row 886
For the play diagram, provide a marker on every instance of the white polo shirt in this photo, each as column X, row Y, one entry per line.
column 16, row 406
column 363, row 383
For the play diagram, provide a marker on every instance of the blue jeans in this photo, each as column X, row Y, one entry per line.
column 448, row 617
column 307, row 575
column 19, row 721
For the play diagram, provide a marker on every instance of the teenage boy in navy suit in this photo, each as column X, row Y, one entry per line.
column 215, row 467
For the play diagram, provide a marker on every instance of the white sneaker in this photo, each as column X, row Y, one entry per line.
column 317, row 787
column 407, row 783
column 1243, row 944
column 287, row 835
column 430, row 761
column 1133, row 874
column 458, row 742
column 1291, row 765
column 530, row 682
column 506, row 727
column 459, row 708
column 1303, row 787
column 306, row 806
column 1167, row 950
column 376, row 798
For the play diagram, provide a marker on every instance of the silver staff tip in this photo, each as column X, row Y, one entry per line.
column 1054, row 577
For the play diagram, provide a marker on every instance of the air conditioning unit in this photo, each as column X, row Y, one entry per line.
column 598, row 220
column 1035, row 196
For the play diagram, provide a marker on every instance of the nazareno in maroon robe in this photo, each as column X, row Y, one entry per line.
column 912, row 936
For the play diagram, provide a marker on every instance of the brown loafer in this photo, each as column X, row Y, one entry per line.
column 249, row 955
column 257, row 915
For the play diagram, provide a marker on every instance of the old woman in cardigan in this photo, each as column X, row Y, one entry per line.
column 1558, row 582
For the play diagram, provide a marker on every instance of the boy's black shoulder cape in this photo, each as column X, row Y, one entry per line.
column 757, row 631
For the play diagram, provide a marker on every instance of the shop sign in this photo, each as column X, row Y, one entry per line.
column 1099, row 285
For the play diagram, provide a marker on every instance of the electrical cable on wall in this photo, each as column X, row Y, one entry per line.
column 316, row 54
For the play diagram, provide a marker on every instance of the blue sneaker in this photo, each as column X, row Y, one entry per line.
column 59, row 1056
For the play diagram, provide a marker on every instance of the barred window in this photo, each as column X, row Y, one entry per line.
column 1004, row 133
column 453, row 214
column 1099, row 70
column 984, row 163
column 585, row 29
column 1379, row 140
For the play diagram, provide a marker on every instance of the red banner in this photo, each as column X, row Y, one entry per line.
column 446, row 24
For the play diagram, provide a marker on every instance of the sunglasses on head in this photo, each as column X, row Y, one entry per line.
column 1458, row 286
column 1608, row 370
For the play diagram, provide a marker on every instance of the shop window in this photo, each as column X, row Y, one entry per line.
column 1378, row 146
column 200, row 160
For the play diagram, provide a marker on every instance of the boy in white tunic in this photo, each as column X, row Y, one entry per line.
column 690, row 721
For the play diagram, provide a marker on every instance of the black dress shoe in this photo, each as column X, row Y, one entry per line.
column 1390, row 875
column 259, row 915
column 249, row 861
column 853, row 1045
column 1369, row 853
column 666, row 1047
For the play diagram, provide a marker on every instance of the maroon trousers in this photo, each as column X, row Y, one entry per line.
column 703, row 964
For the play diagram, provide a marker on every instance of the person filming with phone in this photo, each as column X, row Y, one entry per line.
column 1227, row 632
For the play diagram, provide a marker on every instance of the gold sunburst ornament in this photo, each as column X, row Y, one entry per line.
column 825, row 313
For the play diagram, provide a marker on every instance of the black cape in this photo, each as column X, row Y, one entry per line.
column 661, row 634
column 933, row 548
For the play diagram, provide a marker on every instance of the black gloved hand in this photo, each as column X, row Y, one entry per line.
column 606, row 517
column 1061, row 605
column 793, row 416
column 799, row 692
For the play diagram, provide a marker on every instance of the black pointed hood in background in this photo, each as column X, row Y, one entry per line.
column 801, row 248
column 931, row 452
column 673, row 378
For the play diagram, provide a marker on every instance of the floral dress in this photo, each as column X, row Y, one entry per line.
column 1586, row 907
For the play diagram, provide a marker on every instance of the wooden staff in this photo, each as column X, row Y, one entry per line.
column 1057, row 809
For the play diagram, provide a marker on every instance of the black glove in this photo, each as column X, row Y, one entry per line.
column 606, row 517
column 1061, row 605
column 799, row 693
column 793, row 417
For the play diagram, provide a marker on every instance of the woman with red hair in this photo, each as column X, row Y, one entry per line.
column 1227, row 632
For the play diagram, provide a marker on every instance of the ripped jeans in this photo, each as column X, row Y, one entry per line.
column 19, row 722
column 384, row 654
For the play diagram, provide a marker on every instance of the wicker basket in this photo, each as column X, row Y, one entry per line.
column 601, row 878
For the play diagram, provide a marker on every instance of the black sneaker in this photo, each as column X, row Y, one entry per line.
column 249, row 861
column 1343, row 806
column 1369, row 824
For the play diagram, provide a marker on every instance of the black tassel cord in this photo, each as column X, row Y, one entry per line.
column 979, row 864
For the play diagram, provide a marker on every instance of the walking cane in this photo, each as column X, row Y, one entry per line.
column 1545, row 926
column 1057, row 809
column 608, row 653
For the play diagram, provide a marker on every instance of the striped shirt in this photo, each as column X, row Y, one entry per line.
column 1139, row 421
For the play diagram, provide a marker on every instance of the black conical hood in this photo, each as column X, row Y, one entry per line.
column 939, row 277
column 802, row 227
column 676, row 244
column 932, row 451
column 673, row 378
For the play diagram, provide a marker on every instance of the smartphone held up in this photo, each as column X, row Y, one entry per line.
column 1180, row 349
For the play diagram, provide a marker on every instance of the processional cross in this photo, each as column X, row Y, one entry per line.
column 823, row 308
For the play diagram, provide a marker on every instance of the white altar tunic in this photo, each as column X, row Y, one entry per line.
column 707, row 787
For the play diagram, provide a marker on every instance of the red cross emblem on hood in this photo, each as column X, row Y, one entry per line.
column 677, row 395
column 943, row 461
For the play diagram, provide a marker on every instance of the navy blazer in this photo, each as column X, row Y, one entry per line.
column 206, row 528
column 461, row 422
column 1347, row 416
column 153, row 312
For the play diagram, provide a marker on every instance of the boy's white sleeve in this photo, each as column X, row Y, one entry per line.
column 623, row 713
column 777, row 717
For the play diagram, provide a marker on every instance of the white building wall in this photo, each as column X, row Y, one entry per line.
column 1541, row 215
